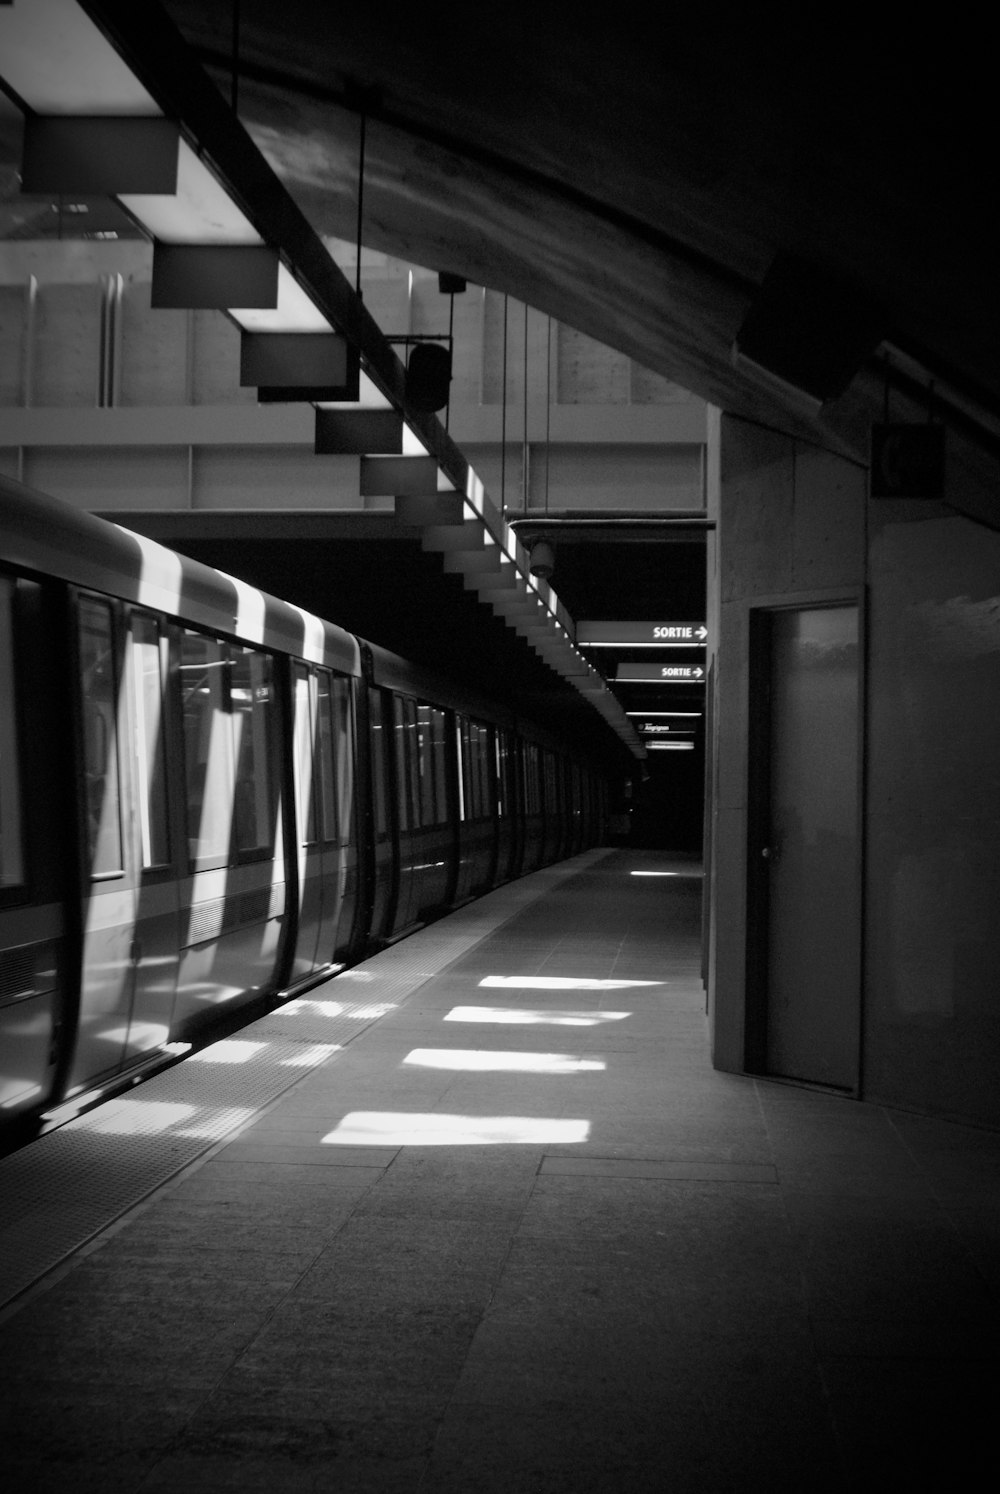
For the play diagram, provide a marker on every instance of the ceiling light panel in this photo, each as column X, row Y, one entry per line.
column 201, row 212
column 58, row 62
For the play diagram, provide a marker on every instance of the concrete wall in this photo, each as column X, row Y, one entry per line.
column 797, row 520
column 932, row 1010
column 585, row 429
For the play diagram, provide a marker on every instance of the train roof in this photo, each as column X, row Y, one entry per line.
column 49, row 537
column 46, row 536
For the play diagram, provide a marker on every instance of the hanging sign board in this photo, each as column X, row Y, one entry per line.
column 641, row 634
column 660, row 674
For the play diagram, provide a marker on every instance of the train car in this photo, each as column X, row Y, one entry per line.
column 211, row 799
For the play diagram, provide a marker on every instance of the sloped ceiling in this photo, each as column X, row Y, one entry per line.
column 635, row 170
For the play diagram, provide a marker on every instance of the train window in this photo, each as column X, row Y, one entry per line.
column 306, row 787
column 208, row 762
column 480, row 743
column 326, row 738
column 252, row 703
column 468, row 800
column 439, row 730
column 147, row 681
column 11, row 846
column 425, row 766
column 432, row 765
column 99, row 712
column 343, row 737
column 403, row 721
column 413, row 763
column 379, row 766
column 532, row 787
column 336, row 742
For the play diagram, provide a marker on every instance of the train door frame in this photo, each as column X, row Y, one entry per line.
column 382, row 780
column 135, row 948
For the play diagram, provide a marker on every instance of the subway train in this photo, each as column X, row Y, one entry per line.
column 210, row 799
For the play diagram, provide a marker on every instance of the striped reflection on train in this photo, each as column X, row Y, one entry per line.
column 210, row 798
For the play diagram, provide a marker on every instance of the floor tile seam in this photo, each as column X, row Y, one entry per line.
column 64, row 1258
column 453, row 1398
column 201, row 1157
column 962, row 1242
column 205, row 1154
column 794, row 1243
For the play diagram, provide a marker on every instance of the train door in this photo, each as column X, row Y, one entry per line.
column 234, row 893
column 508, row 820
column 531, row 806
column 805, row 906
column 130, row 891
column 477, row 813
column 335, row 743
column 426, row 837
column 309, row 809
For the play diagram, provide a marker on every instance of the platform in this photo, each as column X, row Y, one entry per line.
column 478, row 1217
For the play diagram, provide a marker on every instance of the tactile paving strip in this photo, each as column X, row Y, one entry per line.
column 63, row 1189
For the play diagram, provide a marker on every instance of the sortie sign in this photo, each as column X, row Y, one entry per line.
column 641, row 634
column 661, row 674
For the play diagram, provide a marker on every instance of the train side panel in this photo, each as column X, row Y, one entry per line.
column 38, row 936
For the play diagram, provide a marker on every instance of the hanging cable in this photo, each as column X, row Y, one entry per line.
column 548, row 407
column 451, row 349
column 235, row 60
column 503, row 418
column 361, row 198
column 525, row 466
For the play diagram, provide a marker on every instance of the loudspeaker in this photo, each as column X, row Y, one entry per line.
column 907, row 461
column 428, row 375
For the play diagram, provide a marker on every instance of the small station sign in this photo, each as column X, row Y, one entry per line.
column 660, row 674
column 641, row 634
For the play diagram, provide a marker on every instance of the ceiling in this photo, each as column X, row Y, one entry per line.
column 636, row 172
column 370, row 574
column 644, row 175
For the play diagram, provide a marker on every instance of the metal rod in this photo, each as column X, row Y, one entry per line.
column 234, row 86
column 524, row 447
column 451, row 349
column 548, row 407
column 361, row 198
column 503, row 418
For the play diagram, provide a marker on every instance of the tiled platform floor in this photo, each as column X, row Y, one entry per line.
column 518, row 1236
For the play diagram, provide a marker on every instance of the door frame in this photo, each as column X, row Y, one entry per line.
column 759, row 612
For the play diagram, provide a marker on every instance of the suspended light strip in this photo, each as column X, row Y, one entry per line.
column 59, row 62
column 370, row 397
column 201, row 212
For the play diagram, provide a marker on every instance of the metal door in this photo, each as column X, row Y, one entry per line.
column 805, row 904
